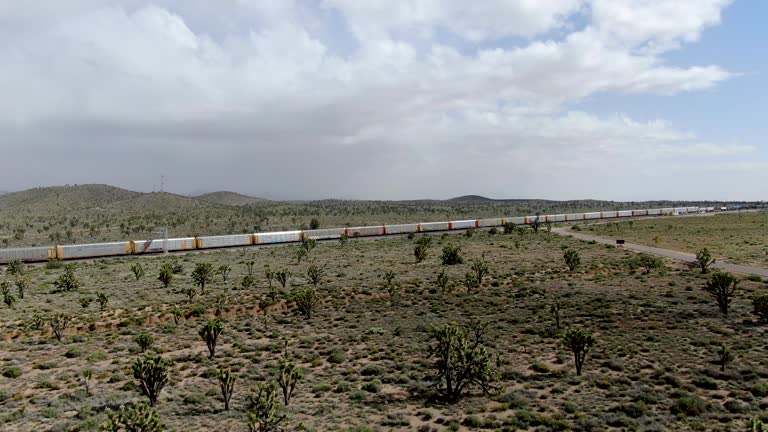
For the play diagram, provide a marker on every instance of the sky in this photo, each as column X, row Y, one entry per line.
column 388, row 99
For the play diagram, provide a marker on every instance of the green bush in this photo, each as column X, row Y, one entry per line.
column 451, row 255
column 12, row 372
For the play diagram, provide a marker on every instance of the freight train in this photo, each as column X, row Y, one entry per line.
column 142, row 247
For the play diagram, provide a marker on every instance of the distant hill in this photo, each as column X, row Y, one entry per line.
column 65, row 197
column 230, row 198
column 472, row 199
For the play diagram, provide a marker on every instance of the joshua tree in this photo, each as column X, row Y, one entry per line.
column 227, row 385
column 265, row 413
column 580, row 343
column 471, row 282
column 756, row 425
column 314, row 223
column 8, row 298
column 721, row 287
column 282, row 277
column 343, row 239
column 509, row 227
column 144, row 341
column 224, row 272
column 441, row 282
column 190, row 293
column 288, row 376
column 420, row 252
column 15, row 267
column 300, row 254
column 461, row 361
column 138, row 417
column 306, row 300
column 152, row 373
column 315, row 275
column 221, row 302
column 210, row 334
column 177, row 314
column 166, row 274
column 724, row 357
column 22, row 284
column 390, row 283
column 249, row 266
column 87, row 375
column 308, row 244
column 536, row 224
column 703, row 260
column 480, row 267
column 269, row 275
column 554, row 310
column 59, row 322
column 67, row 281
column 202, row 274
column 138, row 270
column 103, row 299
column 572, row 259
column 451, row 255
column 760, row 307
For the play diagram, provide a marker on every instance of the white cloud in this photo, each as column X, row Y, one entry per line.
column 264, row 92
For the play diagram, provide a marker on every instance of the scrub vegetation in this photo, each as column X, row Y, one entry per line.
column 359, row 336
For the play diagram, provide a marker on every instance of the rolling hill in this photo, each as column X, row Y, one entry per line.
column 230, row 198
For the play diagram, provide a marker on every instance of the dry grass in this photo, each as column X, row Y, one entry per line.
column 365, row 355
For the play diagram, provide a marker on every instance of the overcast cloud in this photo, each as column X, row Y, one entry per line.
column 376, row 99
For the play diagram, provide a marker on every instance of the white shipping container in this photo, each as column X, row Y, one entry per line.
column 365, row 231
column 625, row 213
column 609, row 214
column 517, row 220
column 402, row 228
column 592, row 215
column 324, row 234
column 95, row 250
column 156, row 245
column 556, row 218
column 639, row 212
column 654, row 212
column 24, row 254
column 465, row 224
column 225, row 240
column 433, row 226
column 278, row 237
column 489, row 222
column 693, row 209
column 574, row 216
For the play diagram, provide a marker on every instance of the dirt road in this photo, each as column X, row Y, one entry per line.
column 681, row 256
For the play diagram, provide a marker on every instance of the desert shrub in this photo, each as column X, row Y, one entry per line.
column 59, row 322
column 314, row 223
column 509, row 227
column 441, row 282
column 153, row 373
column 15, row 267
column 103, row 299
column 8, row 298
column 202, row 275
column 85, row 302
column 73, row 352
column 138, row 270
column 462, row 361
column 249, row 281
column 67, row 281
column 144, row 341
column 572, row 259
column 760, row 307
column 166, row 274
column 420, row 252
column 22, row 284
column 190, row 293
column 721, row 287
column 315, row 275
column 647, row 262
column 688, row 406
column 306, row 300
column 12, row 372
column 756, row 425
column 223, row 271
column 210, row 334
column 579, row 342
column 282, row 277
column 138, row 417
column 451, row 255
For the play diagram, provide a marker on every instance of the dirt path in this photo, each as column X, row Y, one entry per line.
column 681, row 256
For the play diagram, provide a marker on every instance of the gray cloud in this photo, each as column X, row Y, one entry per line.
column 339, row 99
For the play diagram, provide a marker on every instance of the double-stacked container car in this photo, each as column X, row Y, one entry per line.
column 139, row 247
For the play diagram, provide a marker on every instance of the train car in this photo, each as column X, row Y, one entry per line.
column 556, row 218
column 609, row 214
column 402, row 228
column 323, row 234
column 224, row 241
column 692, row 209
column 639, row 212
column 592, row 215
column 366, row 231
column 517, row 220
column 29, row 254
column 487, row 223
column 667, row 211
column 654, row 212
column 157, row 245
column 574, row 216
column 625, row 213
column 94, row 250
column 680, row 210
column 433, row 226
column 277, row 237
column 463, row 224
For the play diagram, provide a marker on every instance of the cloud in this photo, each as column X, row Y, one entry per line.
column 341, row 98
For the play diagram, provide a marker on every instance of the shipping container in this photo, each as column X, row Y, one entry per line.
column 654, row 212
column 26, row 254
column 639, row 212
column 402, row 228
column 365, row 231
column 574, row 216
column 667, row 210
column 277, row 237
column 433, row 226
column 489, row 222
column 517, row 220
column 609, row 214
column 323, row 234
column 224, row 241
column 94, row 250
column 156, row 245
column 556, row 218
column 625, row 213
column 463, row 224
column 692, row 209
column 592, row 215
